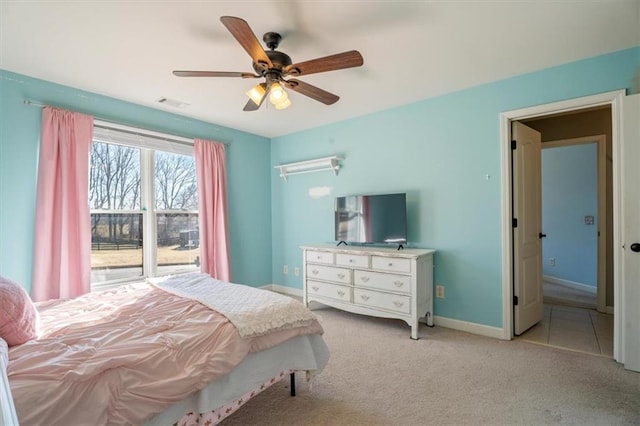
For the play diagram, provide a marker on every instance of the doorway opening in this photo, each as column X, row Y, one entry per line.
column 569, row 123
column 576, row 176
column 574, row 220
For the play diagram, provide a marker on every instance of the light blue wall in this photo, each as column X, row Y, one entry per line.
column 439, row 151
column 569, row 193
column 247, row 163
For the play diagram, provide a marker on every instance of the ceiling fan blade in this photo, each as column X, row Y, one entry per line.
column 242, row 32
column 252, row 106
column 311, row 91
column 339, row 61
column 214, row 74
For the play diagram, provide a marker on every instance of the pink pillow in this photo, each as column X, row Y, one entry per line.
column 18, row 315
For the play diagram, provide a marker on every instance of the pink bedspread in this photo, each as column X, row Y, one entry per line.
column 121, row 356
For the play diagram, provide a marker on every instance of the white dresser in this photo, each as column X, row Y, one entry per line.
column 381, row 282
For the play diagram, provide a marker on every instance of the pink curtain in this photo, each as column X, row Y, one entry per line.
column 62, row 246
column 212, row 199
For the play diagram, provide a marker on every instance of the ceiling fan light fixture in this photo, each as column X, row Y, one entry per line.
column 257, row 93
column 277, row 93
column 283, row 104
column 278, row 96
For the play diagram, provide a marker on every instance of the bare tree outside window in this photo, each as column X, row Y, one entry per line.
column 114, row 184
column 176, row 203
column 175, row 182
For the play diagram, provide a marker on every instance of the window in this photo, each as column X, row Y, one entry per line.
column 144, row 206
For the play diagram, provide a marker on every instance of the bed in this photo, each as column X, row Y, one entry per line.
column 184, row 350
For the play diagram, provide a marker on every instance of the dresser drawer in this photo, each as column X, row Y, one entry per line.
column 391, row 264
column 329, row 273
column 387, row 301
column 332, row 291
column 377, row 280
column 352, row 260
column 319, row 257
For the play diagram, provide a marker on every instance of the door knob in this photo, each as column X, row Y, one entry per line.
column 541, row 235
column 635, row 247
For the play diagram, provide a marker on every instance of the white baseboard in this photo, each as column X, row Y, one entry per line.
column 469, row 327
column 571, row 284
column 297, row 292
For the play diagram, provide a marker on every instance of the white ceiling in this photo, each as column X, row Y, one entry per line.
column 412, row 49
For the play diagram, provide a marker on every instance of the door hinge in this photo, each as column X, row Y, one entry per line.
column 514, row 222
column 515, row 300
column 513, row 144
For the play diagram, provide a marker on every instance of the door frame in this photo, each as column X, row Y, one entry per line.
column 601, row 144
column 614, row 100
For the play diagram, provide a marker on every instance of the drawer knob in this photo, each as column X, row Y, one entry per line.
column 398, row 303
column 364, row 279
column 364, row 297
column 350, row 260
column 398, row 283
column 341, row 275
column 340, row 293
column 318, row 257
column 315, row 288
column 315, row 272
column 390, row 264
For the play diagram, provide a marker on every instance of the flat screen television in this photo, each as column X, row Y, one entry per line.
column 371, row 219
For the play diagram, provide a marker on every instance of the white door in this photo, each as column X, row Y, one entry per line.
column 631, row 230
column 527, row 227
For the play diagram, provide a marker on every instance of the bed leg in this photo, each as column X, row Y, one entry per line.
column 293, row 384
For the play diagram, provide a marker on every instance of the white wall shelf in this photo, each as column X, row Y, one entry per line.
column 309, row 166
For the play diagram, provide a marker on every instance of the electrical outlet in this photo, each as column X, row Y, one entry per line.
column 440, row 291
column 296, row 271
column 285, row 269
column 552, row 261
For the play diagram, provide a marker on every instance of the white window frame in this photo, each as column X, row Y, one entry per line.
column 148, row 142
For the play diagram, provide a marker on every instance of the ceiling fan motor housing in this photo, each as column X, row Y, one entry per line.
column 278, row 59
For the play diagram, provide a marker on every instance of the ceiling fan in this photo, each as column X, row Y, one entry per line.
column 275, row 66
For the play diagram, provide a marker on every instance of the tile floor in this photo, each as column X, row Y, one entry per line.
column 578, row 329
column 557, row 294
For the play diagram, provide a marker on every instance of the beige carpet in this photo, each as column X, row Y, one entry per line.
column 378, row 376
